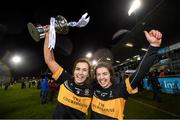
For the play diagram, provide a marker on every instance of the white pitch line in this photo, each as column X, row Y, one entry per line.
column 172, row 114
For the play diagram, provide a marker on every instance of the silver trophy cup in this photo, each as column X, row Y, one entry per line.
column 37, row 32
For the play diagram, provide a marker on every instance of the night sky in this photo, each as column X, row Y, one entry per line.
column 106, row 17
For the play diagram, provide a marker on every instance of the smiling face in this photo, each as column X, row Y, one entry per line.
column 81, row 73
column 103, row 77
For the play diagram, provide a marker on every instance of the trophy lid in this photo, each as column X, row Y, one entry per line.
column 33, row 32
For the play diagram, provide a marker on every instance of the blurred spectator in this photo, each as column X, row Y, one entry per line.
column 155, row 85
column 53, row 88
column 29, row 84
column 44, row 89
column 162, row 73
column 23, row 85
column 33, row 83
column 7, row 84
column 38, row 84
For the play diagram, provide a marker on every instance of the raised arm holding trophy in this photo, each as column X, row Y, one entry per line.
column 72, row 87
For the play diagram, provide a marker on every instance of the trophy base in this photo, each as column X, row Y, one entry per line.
column 35, row 34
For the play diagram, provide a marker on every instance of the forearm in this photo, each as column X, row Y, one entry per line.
column 49, row 57
column 144, row 66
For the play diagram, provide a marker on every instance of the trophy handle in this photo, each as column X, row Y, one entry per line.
column 36, row 32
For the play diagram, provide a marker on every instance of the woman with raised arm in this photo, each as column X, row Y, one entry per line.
column 109, row 98
column 74, row 94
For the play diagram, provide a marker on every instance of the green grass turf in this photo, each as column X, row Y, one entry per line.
column 142, row 106
column 25, row 104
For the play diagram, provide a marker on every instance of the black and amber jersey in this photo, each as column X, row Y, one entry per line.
column 109, row 103
column 73, row 100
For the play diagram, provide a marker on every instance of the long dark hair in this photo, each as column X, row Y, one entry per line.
column 110, row 69
column 83, row 60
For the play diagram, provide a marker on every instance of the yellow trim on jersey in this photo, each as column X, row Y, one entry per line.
column 57, row 73
column 68, row 98
column 113, row 108
column 129, row 88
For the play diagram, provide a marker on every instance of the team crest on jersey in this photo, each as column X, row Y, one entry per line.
column 86, row 92
column 103, row 94
column 78, row 90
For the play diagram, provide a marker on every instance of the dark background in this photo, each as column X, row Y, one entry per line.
column 106, row 18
